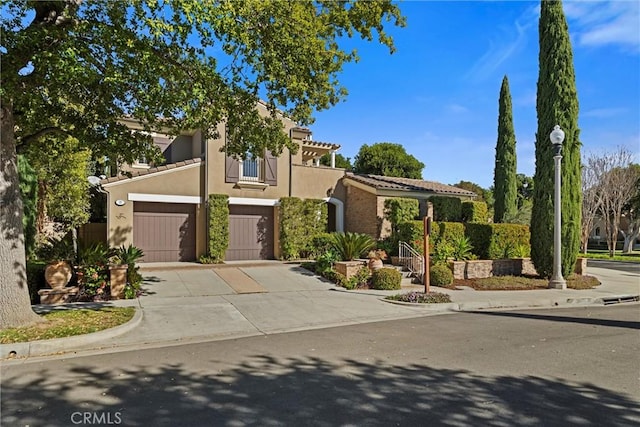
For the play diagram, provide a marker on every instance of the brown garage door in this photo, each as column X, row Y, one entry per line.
column 166, row 232
column 250, row 233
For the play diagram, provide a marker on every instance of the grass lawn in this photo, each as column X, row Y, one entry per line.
column 514, row 283
column 599, row 254
column 66, row 323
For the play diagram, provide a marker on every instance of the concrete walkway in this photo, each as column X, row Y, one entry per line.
column 194, row 303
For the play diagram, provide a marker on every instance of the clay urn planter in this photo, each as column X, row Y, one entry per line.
column 375, row 259
column 58, row 274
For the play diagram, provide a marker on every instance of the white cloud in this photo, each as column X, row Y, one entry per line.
column 499, row 52
column 601, row 113
column 457, row 108
column 605, row 23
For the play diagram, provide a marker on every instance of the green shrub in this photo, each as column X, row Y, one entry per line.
column 442, row 251
column 325, row 262
column 496, row 241
column 321, row 244
column 398, row 210
column 446, row 208
column 218, row 229
column 474, row 211
column 361, row 278
column 350, row 246
column 440, row 275
column 461, row 248
column 386, row 279
column 300, row 221
column 412, row 233
column 447, row 231
column 129, row 255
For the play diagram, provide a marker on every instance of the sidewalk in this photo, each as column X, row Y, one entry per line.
column 194, row 304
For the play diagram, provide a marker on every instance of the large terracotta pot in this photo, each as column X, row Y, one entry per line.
column 375, row 264
column 58, row 274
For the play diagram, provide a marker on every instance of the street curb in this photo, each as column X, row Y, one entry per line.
column 55, row 345
column 438, row 306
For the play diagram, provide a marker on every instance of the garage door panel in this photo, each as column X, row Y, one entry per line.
column 164, row 231
column 250, row 233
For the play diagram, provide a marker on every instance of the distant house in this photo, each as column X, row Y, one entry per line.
column 162, row 209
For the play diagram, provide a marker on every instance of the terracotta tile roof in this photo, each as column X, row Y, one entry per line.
column 407, row 184
column 151, row 170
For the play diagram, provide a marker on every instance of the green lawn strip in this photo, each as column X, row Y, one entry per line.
column 66, row 323
column 632, row 257
column 513, row 283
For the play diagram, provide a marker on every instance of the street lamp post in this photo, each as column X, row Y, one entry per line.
column 557, row 281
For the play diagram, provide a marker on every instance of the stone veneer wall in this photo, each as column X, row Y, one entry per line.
column 349, row 268
column 502, row 267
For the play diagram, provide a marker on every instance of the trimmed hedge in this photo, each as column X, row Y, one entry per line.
column 446, row 208
column 300, row 221
column 496, row 241
column 218, row 229
column 489, row 241
column 399, row 209
column 386, row 279
column 448, row 231
column 474, row 211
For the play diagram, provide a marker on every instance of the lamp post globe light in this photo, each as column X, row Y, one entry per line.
column 557, row 281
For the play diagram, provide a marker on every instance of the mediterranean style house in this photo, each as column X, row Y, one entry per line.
column 162, row 209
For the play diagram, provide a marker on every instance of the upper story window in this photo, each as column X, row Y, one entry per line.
column 141, row 162
column 251, row 169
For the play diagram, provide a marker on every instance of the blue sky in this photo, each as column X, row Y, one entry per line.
column 438, row 94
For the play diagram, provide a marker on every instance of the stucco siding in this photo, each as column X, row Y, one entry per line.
column 317, row 182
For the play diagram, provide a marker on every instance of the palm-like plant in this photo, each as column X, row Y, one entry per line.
column 350, row 246
column 129, row 254
column 462, row 248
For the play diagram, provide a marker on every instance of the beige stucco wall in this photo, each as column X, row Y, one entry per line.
column 179, row 182
column 317, row 182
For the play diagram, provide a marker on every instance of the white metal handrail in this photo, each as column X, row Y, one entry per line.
column 411, row 259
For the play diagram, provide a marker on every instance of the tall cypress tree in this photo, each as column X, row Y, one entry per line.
column 557, row 104
column 504, row 175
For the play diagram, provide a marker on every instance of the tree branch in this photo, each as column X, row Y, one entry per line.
column 39, row 134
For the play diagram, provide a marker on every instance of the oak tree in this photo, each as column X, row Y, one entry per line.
column 74, row 67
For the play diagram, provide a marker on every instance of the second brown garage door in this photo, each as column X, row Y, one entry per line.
column 165, row 231
column 250, row 233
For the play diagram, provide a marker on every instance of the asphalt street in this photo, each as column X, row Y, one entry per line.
column 577, row 366
column 629, row 267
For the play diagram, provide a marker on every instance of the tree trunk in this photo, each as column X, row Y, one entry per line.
column 41, row 217
column 630, row 236
column 15, row 304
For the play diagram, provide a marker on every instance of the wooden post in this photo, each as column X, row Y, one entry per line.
column 427, row 232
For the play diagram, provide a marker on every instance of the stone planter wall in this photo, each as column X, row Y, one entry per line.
column 502, row 267
column 118, row 279
column 349, row 268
